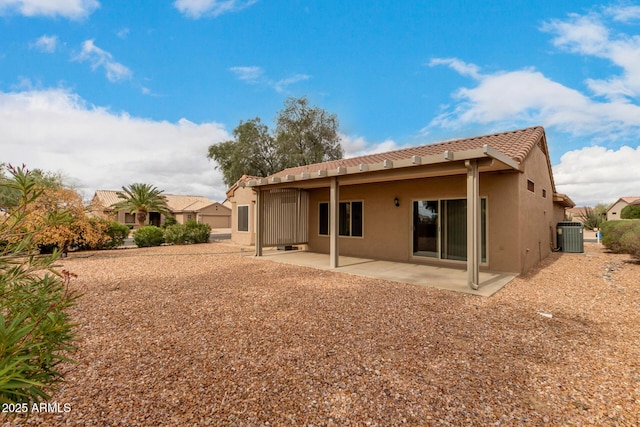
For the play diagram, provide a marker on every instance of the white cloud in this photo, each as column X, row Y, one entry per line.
column 198, row 8
column 282, row 84
column 588, row 35
column 624, row 13
column 56, row 130
column 249, row 74
column 528, row 97
column 256, row 75
column 123, row 33
column 72, row 9
column 461, row 67
column 596, row 174
column 45, row 43
column 101, row 58
column 355, row 146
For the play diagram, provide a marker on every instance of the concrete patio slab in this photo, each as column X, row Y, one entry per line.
column 451, row 279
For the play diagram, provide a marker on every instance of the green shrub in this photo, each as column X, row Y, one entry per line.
column 630, row 212
column 175, row 234
column 169, row 221
column 191, row 232
column 147, row 236
column 197, row 232
column 630, row 240
column 36, row 332
column 622, row 236
column 117, row 232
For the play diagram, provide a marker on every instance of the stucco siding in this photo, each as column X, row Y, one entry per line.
column 538, row 217
column 243, row 197
column 388, row 229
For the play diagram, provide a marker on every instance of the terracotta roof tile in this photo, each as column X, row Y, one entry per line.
column 515, row 144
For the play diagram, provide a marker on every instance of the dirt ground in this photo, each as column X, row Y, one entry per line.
column 205, row 335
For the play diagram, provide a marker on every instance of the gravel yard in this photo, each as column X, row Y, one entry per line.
column 202, row 335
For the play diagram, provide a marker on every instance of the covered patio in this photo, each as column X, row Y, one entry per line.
column 450, row 279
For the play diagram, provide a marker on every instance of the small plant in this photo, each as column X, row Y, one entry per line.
column 147, row 236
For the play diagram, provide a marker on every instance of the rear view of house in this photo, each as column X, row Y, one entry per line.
column 487, row 202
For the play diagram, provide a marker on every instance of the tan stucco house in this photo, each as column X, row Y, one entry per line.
column 614, row 210
column 183, row 209
column 487, row 202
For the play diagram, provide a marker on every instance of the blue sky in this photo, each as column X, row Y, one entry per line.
column 114, row 92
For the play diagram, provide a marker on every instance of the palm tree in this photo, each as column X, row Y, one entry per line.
column 142, row 199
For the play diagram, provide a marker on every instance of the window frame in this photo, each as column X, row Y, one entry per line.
column 342, row 203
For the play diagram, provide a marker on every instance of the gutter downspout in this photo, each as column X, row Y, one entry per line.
column 473, row 224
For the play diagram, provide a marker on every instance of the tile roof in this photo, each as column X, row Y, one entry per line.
column 514, row 144
column 632, row 200
column 176, row 203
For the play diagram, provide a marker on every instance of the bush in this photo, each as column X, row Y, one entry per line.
column 191, row 232
column 117, row 232
column 147, row 236
column 630, row 212
column 198, row 232
column 622, row 236
column 176, row 234
column 169, row 221
column 36, row 332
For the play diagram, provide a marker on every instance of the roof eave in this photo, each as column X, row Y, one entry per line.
column 448, row 156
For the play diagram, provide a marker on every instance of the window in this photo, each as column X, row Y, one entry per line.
column 243, row 218
column 129, row 218
column 531, row 186
column 350, row 221
column 189, row 217
column 544, row 193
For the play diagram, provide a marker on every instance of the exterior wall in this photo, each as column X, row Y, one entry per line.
column 216, row 215
column 388, row 230
column 243, row 197
column 538, row 216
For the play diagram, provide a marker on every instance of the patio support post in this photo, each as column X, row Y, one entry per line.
column 334, row 198
column 259, row 224
column 473, row 224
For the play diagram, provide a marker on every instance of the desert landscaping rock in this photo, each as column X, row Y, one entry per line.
column 206, row 335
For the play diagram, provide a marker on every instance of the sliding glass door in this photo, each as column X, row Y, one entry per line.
column 440, row 229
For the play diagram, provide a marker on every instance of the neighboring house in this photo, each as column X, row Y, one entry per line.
column 613, row 212
column 487, row 202
column 576, row 214
column 183, row 208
